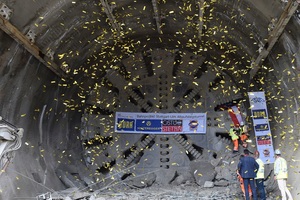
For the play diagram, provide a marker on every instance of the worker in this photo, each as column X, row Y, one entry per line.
column 234, row 137
column 281, row 175
column 260, row 176
column 247, row 168
column 240, row 179
column 244, row 134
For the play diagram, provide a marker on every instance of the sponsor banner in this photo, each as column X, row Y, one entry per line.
column 261, row 126
column 160, row 123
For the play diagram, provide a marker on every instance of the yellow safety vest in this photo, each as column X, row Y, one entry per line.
column 233, row 135
column 261, row 170
column 244, row 129
column 280, row 168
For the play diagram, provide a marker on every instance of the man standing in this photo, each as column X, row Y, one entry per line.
column 260, row 176
column 281, row 175
column 247, row 168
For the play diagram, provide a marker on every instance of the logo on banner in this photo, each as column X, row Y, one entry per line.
column 258, row 100
column 264, row 140
column 172, row 125
column 259, row 114
column 125, row 124
column 262, row 127
column 193, row 125
column 150, row 125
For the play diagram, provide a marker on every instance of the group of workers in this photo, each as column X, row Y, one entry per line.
column 250, row 170
column 251, row 175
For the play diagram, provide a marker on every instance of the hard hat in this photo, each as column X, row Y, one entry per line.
column 242, row 123
column 277, row 152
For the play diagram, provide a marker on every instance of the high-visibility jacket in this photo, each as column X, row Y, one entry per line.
column 261, row 169
column 233, row 134
column 244, row 129
column 280, row 168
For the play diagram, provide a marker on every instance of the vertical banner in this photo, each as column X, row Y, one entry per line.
column 261, row 126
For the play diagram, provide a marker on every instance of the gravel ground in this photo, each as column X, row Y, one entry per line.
column 170, row 193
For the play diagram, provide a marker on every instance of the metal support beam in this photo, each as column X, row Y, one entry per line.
column 157, row 16
column 201, row 13
column 14, row 33
column 108, row 9
column 290, row 8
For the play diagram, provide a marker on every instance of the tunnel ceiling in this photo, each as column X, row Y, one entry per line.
column 227, row 33
column 230, row 36
column 85, row 45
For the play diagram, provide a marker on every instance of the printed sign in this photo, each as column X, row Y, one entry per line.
column 160, row 123
column 261, row 126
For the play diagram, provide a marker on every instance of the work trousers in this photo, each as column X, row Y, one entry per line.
column 250, row 181
column 235, row 145
column 283, row 189
column 260, row 188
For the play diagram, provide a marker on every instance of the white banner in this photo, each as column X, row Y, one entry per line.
column 160, row 123
column 261, row 126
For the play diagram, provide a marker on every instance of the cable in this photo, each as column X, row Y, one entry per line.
column 49, row 189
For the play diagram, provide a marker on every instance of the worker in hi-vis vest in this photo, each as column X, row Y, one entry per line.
column 260, row 176
column 235, row 138
column 281, row 175
column 244, row 134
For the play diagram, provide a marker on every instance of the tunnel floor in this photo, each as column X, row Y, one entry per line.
column 188, row 191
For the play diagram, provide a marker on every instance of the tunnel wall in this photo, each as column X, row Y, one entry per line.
column 32, row 97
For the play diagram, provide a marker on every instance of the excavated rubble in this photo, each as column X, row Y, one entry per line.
column 209, row 178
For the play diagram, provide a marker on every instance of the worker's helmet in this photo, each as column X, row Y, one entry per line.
column 242, row 124
column 277, row 152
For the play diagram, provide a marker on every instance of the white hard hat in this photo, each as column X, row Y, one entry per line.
column 277, row 152
column 242, row 123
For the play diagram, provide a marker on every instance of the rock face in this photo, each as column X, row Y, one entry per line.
column 142, row 182
column 186, row 177
column 165, row 176
column 209, row 184
column 203, row 171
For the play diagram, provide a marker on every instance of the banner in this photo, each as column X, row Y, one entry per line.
column 235, row 115
column 261, row 126
column 160, row 123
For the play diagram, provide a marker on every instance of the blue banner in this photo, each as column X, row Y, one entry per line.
column 148, row 125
